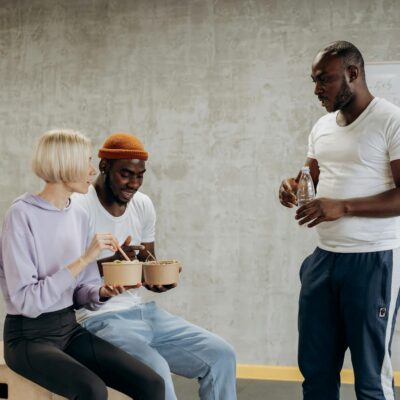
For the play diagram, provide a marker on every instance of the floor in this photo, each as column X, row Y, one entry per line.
column 258, row 390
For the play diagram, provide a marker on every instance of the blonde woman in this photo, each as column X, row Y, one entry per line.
column 48, row 269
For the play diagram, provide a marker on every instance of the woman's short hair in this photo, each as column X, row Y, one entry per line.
column 61, row 155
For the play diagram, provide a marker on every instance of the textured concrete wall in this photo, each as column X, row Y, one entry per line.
column 219, row 91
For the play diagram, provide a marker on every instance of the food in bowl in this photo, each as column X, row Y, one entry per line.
column 161, row 272
column 126, row 273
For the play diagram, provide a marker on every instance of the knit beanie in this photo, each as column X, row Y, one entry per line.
column 123, row 146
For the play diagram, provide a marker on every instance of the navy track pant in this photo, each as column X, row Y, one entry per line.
column 348, row 300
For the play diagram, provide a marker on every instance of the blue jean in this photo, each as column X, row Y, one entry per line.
column 168, row 344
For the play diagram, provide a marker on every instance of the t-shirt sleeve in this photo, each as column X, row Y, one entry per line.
column 311, row 148
column 149, row 222
column 393, row 133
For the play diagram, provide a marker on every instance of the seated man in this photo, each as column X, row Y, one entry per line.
column 163, row 341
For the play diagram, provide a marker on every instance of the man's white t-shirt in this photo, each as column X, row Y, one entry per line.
column 354, row 161
column 138, row 221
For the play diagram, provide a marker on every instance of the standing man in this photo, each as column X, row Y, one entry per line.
column 163, row 341
column 350, row 284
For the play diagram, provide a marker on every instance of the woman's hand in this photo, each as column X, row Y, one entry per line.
column 114, row 290
column 111, row 290
column 100, row 241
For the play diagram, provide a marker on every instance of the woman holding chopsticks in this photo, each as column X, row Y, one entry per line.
column 48, row 269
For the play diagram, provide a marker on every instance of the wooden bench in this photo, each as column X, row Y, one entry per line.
column 16, row 387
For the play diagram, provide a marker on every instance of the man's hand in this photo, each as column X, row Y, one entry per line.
column 160, row 288
column 320, row 210
column 129, row 250
column 287, row 192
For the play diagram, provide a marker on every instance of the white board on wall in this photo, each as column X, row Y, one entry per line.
column 383, row 80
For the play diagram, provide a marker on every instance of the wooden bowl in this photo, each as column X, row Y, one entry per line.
column 161, row 272
column 126, row 273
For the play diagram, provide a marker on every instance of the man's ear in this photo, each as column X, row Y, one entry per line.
column 104, row 166
column 353, row 72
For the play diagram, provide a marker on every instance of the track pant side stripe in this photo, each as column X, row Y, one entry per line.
column 387, row 369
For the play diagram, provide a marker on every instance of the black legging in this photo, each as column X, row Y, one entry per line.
column 55, row 352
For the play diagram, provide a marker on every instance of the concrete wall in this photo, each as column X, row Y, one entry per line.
column 220, row 93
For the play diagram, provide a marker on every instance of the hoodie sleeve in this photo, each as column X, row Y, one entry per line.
column 87, row 291
column 30, row 294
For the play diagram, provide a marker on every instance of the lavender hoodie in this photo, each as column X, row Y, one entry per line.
column 38, row 241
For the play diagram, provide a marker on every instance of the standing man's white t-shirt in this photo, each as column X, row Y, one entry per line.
column 354, row 161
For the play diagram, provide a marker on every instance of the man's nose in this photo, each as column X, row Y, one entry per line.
column 318, row 89
column 134, row 182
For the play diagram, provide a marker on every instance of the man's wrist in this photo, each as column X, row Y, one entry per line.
column 347, row 209
column 108, row 259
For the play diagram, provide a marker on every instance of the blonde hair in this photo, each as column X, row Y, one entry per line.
column 61, row 155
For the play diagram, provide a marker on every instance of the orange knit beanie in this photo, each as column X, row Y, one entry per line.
column 121, row 146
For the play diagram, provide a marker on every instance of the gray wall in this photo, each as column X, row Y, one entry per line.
column 220, row 93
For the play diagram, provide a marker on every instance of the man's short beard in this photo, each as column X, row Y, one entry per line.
column 110, row 194
column 343, row 97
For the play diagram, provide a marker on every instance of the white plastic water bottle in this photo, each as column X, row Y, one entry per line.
column 305, row 188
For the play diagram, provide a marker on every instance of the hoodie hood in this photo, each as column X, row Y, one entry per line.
column 39, row 202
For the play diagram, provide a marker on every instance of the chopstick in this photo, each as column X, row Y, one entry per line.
column 151, row 255
column 123, row 253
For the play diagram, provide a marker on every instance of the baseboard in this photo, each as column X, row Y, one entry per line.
column 287, row 373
